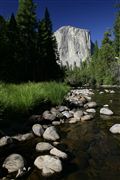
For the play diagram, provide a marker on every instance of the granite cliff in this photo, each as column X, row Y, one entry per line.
column 74, row 45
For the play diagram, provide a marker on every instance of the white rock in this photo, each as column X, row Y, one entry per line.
column 38, row 130
column 48, row 164
column 106, row 111
column 78, row 114
column 106, row 90
column 90, row 105
column 49, row 116
column 56, row 123
column 74, row 45
column 23, row 137
column 5, row 140
column 115, row 129
column 55, row 143
column 62, row 108
column 112, row 91
column 86, row 117
column 67, row 114
column 58, row 153
column 73, row 120
column 106, row 105
column 51, row 134
column 101, row 92
column 43, row 146
column 13, row 163
column 91, row 110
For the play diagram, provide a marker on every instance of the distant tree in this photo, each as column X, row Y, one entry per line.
column 107, row 50
column 117, row 32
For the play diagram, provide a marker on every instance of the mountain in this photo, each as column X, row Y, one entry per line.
column 74, row 45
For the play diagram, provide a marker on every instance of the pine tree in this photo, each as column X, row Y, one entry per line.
column 48, row 49
column 13, row 41
column 117, row 32
column 3, row 48
column 104, row 73
column 26, row 19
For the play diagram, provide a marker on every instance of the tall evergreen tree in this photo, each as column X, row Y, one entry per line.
column 104, row 73
column 117, row 32
column 48, row 49
column 3, row 48
column 26, row 19
column 13, row 41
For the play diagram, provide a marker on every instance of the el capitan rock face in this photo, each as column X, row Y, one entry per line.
column 74, row 45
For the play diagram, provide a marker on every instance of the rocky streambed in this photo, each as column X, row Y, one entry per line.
column 77, row 140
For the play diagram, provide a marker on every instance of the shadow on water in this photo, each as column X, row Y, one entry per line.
column 94, row 152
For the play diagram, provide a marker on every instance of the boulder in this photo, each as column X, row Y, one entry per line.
column 48, row 164
column 14, row 163
column 58, row 153
column 91, row 110
column 5, row 140
column 43, row 146
column 112, row 91
column 106, row 111
column 51, row 134
column 90, row 105
column 47, row 115
column 73, row 120
column 23, row 137
column 101, row 92
column 87, row 117
column 78, row 114
column 67, row 114
column 38, row 130
column 54, row 111
column 62, row 108
column 115, row 129
column 56, row 123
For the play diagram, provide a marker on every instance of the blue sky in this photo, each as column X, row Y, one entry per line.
column 95, row 15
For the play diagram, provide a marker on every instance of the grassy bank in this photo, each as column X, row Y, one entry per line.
column 24, row 97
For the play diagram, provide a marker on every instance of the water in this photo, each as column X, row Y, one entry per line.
column 94, row 152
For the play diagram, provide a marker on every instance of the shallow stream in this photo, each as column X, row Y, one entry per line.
column 93, row 151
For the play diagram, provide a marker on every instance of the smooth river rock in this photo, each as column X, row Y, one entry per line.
column 23, row 137
column 87, row 117
column 38, row 130
column 51, row 134
column 49, row 116
column 43, row 146
column 14, row 163
column 90, row 105
column 115, row 129
column 48, row 164
column 5, row 140
column 78, row 114
column 106, row 111
column 91, row 110
column 58, row 153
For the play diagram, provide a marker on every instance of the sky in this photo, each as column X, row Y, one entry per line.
column 94, row 15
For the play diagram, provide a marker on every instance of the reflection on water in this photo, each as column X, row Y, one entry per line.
column 94, row 153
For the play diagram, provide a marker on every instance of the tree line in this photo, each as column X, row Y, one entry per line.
column 104, row 66
column 28, row 48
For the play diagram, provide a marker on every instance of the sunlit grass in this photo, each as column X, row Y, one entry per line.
column 25, row 97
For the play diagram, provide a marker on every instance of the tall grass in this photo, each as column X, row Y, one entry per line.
column 24, row 97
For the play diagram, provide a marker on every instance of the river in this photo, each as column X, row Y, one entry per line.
column 93, row 151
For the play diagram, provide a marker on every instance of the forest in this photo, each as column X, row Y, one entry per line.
column 28, row 51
